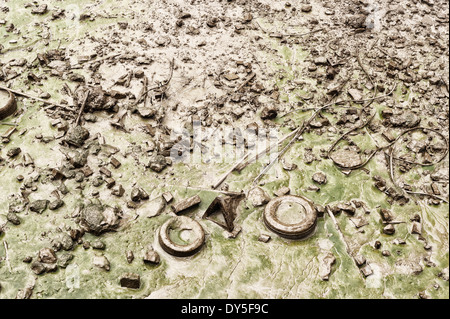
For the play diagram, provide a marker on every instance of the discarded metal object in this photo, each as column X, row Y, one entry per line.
column 226, row 205
column 181, row 223
column 297, row 230
column 8, row 108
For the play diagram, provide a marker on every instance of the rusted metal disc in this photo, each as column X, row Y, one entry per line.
column 297, row 229
column 8, row 108
column 181, row 223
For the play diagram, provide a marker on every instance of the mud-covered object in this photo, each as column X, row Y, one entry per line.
column 225, row 205
column 157, row 163
column 346, row 158
column 39, row 206
column 8, row 105
column 97, row 219
column 296, row 229
column 97, row 100
column 77, row 136
column 406, row 119
column 180, row 223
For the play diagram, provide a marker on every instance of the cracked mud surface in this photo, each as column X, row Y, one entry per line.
column 92, row 158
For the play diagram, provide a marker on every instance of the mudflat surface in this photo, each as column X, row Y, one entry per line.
column 124, row 104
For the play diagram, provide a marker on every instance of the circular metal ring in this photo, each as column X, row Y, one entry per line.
column 183, row 223
column 10, row 107
column 298, row 230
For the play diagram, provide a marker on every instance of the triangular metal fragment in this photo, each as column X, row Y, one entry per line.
column 225, row 205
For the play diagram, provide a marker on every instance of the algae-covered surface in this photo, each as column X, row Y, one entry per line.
column 283, row 44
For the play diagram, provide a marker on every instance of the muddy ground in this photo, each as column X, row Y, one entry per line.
column 122, row 105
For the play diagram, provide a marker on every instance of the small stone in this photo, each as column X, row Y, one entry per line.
column 319, row 178
column 416, row 228
column 98, row 245
column 151, row 257
column 130, row 280
column 135, row 196
column 313, row 188
column 132, row 205
column 306, row 8
column 258, row 197
column 130, row 256
column 386, row 253
column 406, row 119
column 102, row 262
column 157, row 163
column 37, row 267
column 77, row 136
column 366, row 270
column 269, row 113
column 386, row 215
column 39, row 9
column 13, row 218
column 355, row 94
column 47, row 256
column 399, row 241
column 377, row 244
column 146, row 112
column 13, row 152
column 64, row 260
column 28, row 259
column 66, row 241
column 57, row 203
column 320, row 210
column 168, row 197
column 118, row 191
column 264, row 238
column 360, row 260
column 289, row 166
column 139, row 74
column 389, row 229
column 97, row 219
column 343, row 207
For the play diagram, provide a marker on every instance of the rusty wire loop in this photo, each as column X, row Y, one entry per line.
column 392, row 158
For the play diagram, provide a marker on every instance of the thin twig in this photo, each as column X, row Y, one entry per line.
column 345, row 101
column 82, row 108
column 37, row 99
column 280, row 155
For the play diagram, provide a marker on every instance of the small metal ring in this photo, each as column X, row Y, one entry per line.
column 181, row 250
column 300, row 230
